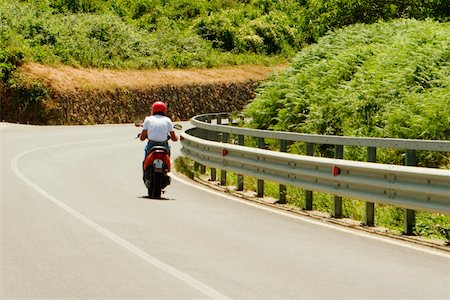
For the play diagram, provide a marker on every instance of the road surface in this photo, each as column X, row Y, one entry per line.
column 75, row 223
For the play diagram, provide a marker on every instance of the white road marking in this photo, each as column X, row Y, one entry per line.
column 203, row 288
column 309, row 220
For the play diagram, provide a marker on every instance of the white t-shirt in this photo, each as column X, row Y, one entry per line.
column 158, row 127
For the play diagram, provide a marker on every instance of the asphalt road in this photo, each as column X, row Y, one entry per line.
column 75, row 223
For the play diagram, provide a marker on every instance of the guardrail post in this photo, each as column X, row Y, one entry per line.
column 209, row 133
column 202, row 169
column 370, row 206
column 196, row 164
column 223, row 173
column 410, row 215
column 210, row 136
column 337, row 211
column 203, row 135
column 260, row 182
column 215, row 138
column 309, row 194
column 240, row 178
column 282, row 194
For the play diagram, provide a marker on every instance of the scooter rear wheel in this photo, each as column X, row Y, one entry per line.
column 155, row 190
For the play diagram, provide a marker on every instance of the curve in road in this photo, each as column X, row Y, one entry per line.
column 60, row 183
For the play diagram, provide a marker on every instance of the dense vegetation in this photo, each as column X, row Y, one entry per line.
column 182, row 33
column 382, row 80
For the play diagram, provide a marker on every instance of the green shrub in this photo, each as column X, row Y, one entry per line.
column 186, row 167
column 78, row 6
column 381, row 80
column 325, row 15
column 9, row 61
column 220, row 29
column 27, row 99
column 270, row 34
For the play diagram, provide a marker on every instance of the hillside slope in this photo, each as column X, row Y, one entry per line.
column 363, row 81
column 68, row 79
column 388, row 79
column 66, row 95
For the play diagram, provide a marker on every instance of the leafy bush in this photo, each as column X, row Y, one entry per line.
column 260, row 25
column 270, row 34
column 134, row 33
column 381, row 80
column 9, row 60
column 220, row 29
column 27, row 99
column 186, row 166
column 78, row 6
column 325, row 15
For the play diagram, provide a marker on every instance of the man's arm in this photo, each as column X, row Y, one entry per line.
column 173, row 136
column 143, row 135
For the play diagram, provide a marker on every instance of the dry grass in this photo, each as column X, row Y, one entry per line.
column 99, row 96
column 67, row 79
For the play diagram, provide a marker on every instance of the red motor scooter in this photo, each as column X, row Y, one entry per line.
column 156, row 168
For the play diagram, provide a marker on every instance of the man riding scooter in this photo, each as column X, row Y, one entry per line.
column 158, row 129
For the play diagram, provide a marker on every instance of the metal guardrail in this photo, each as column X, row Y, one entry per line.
column 204, row 122
column 408, row 187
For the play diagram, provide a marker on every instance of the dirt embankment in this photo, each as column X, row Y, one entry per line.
column 88, row 96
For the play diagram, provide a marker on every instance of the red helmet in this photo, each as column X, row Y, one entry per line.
column 159, row 106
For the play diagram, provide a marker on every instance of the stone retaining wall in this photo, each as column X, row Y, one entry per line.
column 125, row 105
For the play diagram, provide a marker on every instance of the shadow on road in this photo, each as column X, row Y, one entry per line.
column 156, row 199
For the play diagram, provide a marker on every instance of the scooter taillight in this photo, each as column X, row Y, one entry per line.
column 159, row 154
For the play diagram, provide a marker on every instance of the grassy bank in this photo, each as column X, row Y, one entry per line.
column 67, row 95
column 381, row 80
